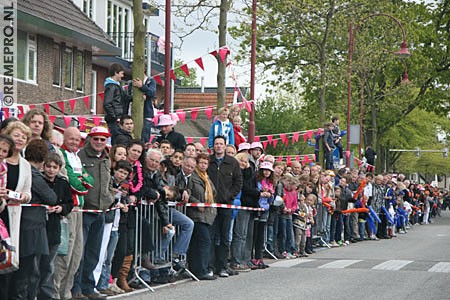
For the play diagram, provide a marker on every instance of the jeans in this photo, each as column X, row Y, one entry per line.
column 221, row 239
column 186, row 226
column 329, row 159
column 165, row 242
column 326, row 223
column 84, row 281
column 336, row 227
column 113, row 130
column 272, row 231
column 106, row 269
column 47, row 269
column 239, row 236
column 146, row 131
column 361, row 228
column 199, row 249
column 286, row 240
column 347, row 228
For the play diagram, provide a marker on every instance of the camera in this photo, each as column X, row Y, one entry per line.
column 13, row 195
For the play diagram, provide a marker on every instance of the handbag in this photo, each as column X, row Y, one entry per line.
column 63, row 248
column 9, row 261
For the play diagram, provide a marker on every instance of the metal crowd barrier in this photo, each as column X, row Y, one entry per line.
column 148, row 226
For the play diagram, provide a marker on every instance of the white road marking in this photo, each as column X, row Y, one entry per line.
column 441, row 267
column 339, row 264
column 392, row 265
column 287, row 263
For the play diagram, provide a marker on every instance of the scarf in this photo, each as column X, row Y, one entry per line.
column 209, row 195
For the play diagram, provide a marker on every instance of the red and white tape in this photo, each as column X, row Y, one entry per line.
column 216, row 205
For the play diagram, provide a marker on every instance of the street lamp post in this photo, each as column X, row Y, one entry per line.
column 251, row 123
column 167, row 62
column 402, row 53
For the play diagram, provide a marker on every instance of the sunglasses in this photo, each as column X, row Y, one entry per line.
column 99, row 139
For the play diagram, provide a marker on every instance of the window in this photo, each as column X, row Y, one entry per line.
column 80, row 70
column 57, row 64
column 68, row 66
column 88, row 8
column 26, row 56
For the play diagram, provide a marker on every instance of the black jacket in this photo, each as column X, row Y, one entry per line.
column 123, row 138
column 62, row 189
column 154, row 183
column 250, row 192
column 175, row 138
column 114, row 104
column 227, row 178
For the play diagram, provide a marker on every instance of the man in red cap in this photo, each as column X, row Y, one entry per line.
column 96, row 161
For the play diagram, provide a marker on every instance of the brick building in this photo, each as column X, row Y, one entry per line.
column 56, row 43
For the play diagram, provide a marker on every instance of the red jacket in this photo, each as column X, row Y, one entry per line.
column 238, row 136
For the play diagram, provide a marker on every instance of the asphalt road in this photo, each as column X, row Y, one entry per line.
column 412, row 266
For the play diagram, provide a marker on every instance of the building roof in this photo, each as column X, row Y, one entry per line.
column 65, row 19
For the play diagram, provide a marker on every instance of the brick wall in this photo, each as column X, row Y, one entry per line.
column 44, row 91
column 188, row 100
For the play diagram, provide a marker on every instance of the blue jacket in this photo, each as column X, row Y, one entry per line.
column 217, row 129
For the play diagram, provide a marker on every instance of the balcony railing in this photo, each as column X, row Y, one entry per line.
column 125, row 41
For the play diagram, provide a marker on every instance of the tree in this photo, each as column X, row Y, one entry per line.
column 305, row 45
column 186, row 81
column 198, row 15
column 138, row 66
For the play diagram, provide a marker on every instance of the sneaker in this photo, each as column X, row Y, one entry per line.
column 334, row 244
column 291, row 256
column 284, row 254
column 262, row 265
column 346, row 243
column 232, row 272
column 251, row 265
column 178, row 264
column 79, row 297
column 207, row 277
column 96, row 296
column 113, row 287
column 295, row 254
column 107, row 292
column 223, row 273
column 240, row 268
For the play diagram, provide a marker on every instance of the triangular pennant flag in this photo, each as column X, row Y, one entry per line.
column 82, row 121
column 280, row 158
column 209, row 112
column 72, row 103
column 6, row 112
column 96, row 120
column 172, row 75
column 102, row 96
column 194, row 112
column 274, row 143
column 257, row 139
column 199, row 62
column 305, row 160
column 52, row 118
column 20, row 107
column 284, row 139
column 305, row 137
column 67, row 120
column 309, row 134
column 223, row 54
column 203, row 141
column 32, row 106
column 297, row 157
column 347, row 154
column 288, row 160
column 181, row 115
column 319, row 131
column 247, row 104
column 185, row 69
column 265, row 143
column 158, row 80
column 313, row 157
column 270, row 138
column 61, row 105
column 151, row 139
column 189, row 140
column 295, row 137
column 86, row 102
column 213, row 53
